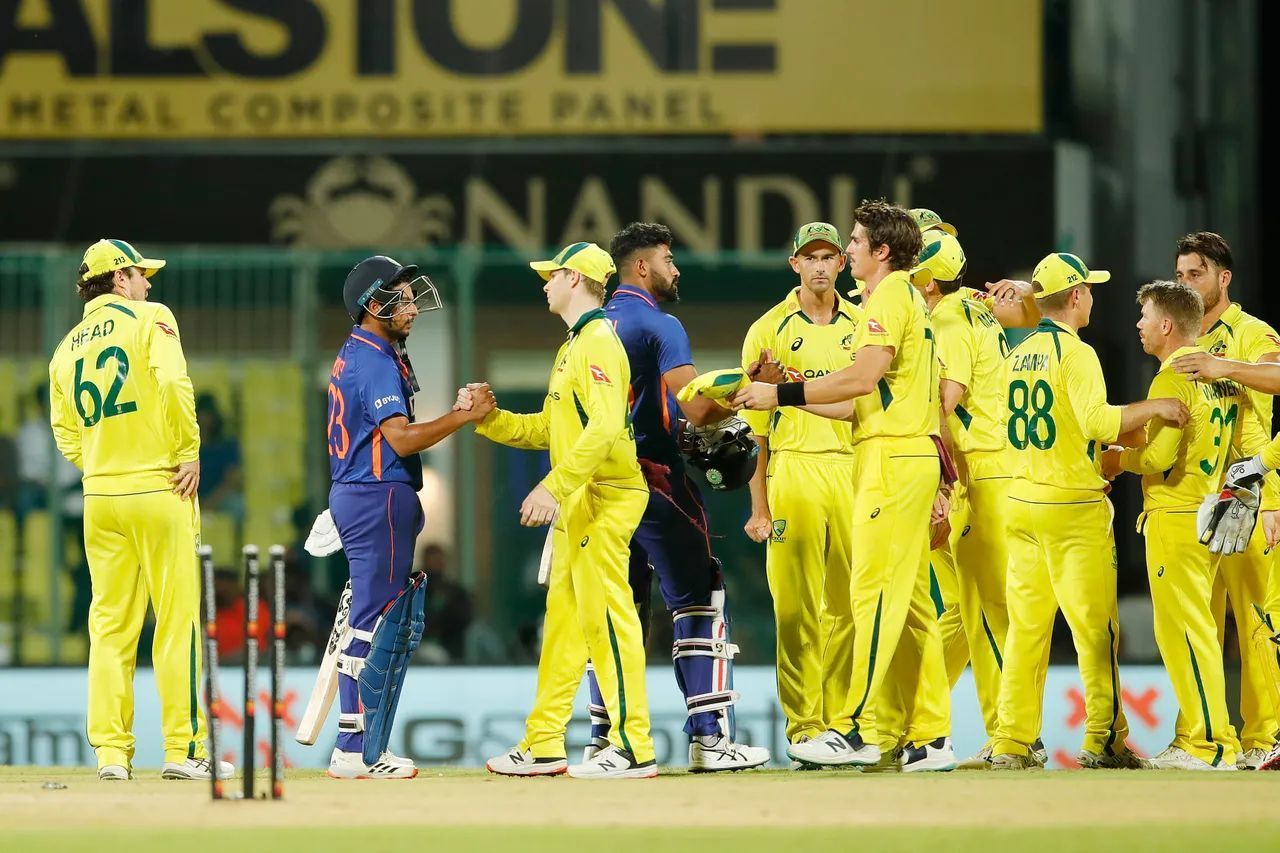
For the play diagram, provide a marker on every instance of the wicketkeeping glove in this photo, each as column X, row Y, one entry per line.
column 1244, row 474
column 1226, row 520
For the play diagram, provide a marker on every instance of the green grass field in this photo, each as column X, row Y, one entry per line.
column 1129, row 811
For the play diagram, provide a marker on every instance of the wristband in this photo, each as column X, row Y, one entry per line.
column 791, row 394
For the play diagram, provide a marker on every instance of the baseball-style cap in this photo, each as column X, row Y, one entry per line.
column 941, row 256
column 814, row 232
column 586, row 258
column 1061, row 271
column 928, row 220
column 110, row 255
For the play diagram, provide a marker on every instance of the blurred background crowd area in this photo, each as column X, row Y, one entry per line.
column 264, row 148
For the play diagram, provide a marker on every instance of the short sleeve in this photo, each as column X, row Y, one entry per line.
column 887, row 316
column 1263, row 340
column 383, row 392
column 757, row 339
column 671, row 343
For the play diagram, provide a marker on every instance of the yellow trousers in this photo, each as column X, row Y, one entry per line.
column 1181, row 573
column 591, row 615
column 1265, row 632
column 1062, row 555
column 895, row 624
column 1243, row 578
column 140, row 549
column 808, row 564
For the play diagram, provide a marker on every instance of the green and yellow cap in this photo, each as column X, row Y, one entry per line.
column 1062, row 271
column 941, row 256
column 586, row 258
column 816, row 232
column 111, row 255
column 927, row 220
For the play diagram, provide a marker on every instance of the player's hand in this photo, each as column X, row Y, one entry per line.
column 939, row 520
column 1111, row 463
column 1271, row 527
column 1200, row 366
column 482, row 401
column 1008, row 291
column 759, row 526
column 1225, row 520
column 1245, row 474
column 1172, row 410
column 766, row 369
column 463, row 403
column 539, row 508
column 758, row 396
column 186, row 482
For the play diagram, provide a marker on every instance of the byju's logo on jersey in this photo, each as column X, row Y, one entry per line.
column 779, row 530
column 385, row 401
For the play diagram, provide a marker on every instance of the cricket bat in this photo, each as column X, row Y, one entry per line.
column 326, row 686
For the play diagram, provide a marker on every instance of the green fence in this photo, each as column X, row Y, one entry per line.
column 260, row 328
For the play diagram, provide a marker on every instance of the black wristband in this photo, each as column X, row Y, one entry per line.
column 791, row 394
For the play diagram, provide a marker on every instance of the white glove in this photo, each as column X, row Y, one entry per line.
column 1244, row 474
column 323, row 539
column 1225, row 521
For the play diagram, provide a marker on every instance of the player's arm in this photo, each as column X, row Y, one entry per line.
column 177, row 398
column 951, row 393
column 1260, row 376
column 760, row 525
column 525, row 431
column 1082, row 373
column 407, row 438
column 604, row 400
column 698, row 410
column 66, row 430
column 1013, row 303
column 675, row 362
column 1163, row 438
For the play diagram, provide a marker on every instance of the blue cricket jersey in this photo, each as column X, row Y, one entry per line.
column 368, row 384
column 655, row 343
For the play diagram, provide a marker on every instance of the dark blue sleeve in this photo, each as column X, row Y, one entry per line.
column 383, row 392
column 671, row 343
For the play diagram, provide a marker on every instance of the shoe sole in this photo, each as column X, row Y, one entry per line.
column 853, row 762
column 733, row 769
column 557, row 771
column 360, row 778
column 929, row 767
column 633, row 773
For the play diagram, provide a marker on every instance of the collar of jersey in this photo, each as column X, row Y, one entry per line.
column 792, row 306
column 373, row 341
column 593, row 314
column 99, row 301
column 632, row 290
column 1230, row 318
column 1047, row 325
column 1180, row 351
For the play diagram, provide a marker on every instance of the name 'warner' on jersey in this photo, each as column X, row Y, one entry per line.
column 655, row 343
column 121, row 403
column 368, row 384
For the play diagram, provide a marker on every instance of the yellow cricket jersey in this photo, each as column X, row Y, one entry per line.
column 121, row 403
column 807, row 351
column 1180, row 465
column 584, row 420
column 1243, row 337
column 905, row 401
column 1058, row 415
column 972, row 348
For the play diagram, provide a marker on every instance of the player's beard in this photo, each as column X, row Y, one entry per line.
column 1211, row 301
column 666, row 290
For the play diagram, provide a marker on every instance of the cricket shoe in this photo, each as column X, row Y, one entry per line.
column 520, row 762
column 714, row 753
column 350, row 765
column 114, row 773
column 832, row 749
column 1125, row 759
column 1013, row 761
column 390, row 757
column 195, row 768
column 1249, row 759
column 1176, row 758
column 936, row 755
column 800, row 765
column 1272, row 759
column 590, row 750
column 614, row 763
column 890, row 760
column 980, row 760
column 1039, row 753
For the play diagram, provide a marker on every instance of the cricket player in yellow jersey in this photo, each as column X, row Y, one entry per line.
column 123, row 410
column 893, row 386
column 595, row 495
column 802, row 492
column 970, row 568
column 1061, row 547
column 1204, row 262
column 1179, row 466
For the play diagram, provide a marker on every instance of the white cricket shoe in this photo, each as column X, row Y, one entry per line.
column 832, row 749
column 713, row 753
column 936, row 756
column 613, row 763
column 1039, row 753
column 800, row 765
column 1176, row 758
column 195, row 768
column 1272, row 759
column 114, row 773
column 1122, row 760
column 981, row 760
column 518, row 762
column 590, row 750
column 350, row 765
column 1249, row 759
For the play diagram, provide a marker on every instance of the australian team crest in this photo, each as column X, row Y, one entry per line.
column 779, row 530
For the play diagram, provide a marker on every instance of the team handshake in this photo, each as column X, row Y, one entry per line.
column 476, row 399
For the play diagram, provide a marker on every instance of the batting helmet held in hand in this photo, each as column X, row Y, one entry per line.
column 725, row 454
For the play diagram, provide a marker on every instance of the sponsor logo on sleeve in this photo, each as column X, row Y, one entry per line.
column 598, row 375
column 167, row 329
column 385, row 401
column 874, row 327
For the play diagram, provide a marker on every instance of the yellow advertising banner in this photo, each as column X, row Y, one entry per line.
column 253, row 69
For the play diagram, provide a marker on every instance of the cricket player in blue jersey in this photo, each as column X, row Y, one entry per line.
column 373, row 459
column 672, row 539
